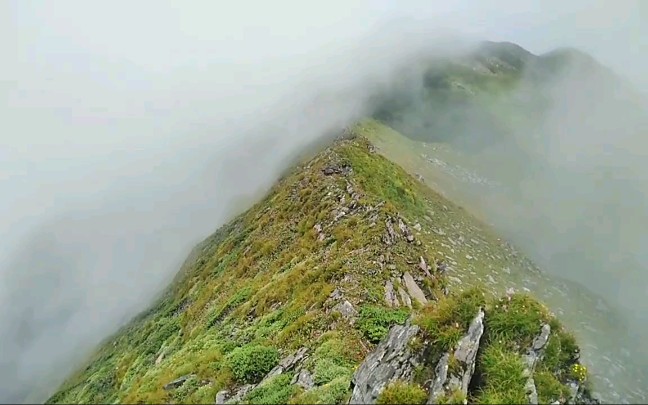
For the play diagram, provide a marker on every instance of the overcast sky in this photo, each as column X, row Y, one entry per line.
column 130, row 130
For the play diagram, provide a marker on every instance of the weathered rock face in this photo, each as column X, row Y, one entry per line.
column 405, row 297
column 413, row 288
column 304, row 379
column 465, row 354
column 390, row 360
column 423, row 266
column 389, row 238
column 534, row 354
column 405, row 230
column 346, row 309
column 390, row 295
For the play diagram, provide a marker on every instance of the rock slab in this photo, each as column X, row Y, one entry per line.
column 391, row 360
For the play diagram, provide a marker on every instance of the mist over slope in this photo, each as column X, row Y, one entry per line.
column 564, row 137
column 130, row 131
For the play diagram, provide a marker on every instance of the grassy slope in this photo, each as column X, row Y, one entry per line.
column 259, row 288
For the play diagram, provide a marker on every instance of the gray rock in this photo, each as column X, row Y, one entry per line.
column 413, row 288
column 405, row 230
column 541, row 340
column 531, row 391
column 417, row 227
column 346, row 309
column 465, row 354
column 440, row 377
column 304, row 379
column 389, row 238
column 534, row 354
column 241, row 393
column 405, row 297
column 221, row 397
column 390, row 295
column 336, row 169
column 423, row 266
column 290, row 362
column 336, row 294
column 391, row 360
column 466, row 351
column 177, row 383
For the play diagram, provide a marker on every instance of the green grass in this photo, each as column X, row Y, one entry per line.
column 250, row 363
column 278, row 390
column 502, row 371
column 374, row 321
column 444, row 324
column 400, row 392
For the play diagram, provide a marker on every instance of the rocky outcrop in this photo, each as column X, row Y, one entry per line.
column 390, row 360
column 531, row 358
column 389, row 238
column 222, row 397
column 423, row 266
column 405, row 297
column 413, row 289
column 346, row 309
column 287, row 364
column 440, row 377
column 390, row 295
column 465, row 355
column 405, row 230
column 304, row 379
column 336, row 169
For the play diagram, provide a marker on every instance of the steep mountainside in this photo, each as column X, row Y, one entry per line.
column 542, row 146
column 351, row 281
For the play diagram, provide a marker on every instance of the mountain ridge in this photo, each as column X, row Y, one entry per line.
column 354, row 254
column 310, row 267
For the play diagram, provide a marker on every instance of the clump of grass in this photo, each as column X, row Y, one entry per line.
column 561, row 353
column 518, row 320
column 455, row 397
column 335, row 392
column 549, row 388
column 400, row 392
column 374, row 321
column 502, row 374
column 251, row 363
column 326, row 370
column 277, row 390
column 446, row 322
